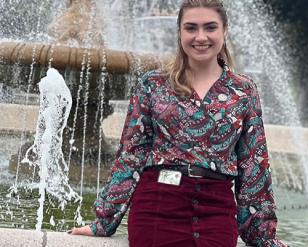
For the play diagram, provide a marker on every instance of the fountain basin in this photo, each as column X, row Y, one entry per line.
column 62, row 57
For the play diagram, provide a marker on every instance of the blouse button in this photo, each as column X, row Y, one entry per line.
column 213, row 166
column 222, row 97
column 252, row 210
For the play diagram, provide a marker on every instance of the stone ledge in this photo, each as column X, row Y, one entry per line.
column 30, row 238
column 18, row 117
column 281, row 139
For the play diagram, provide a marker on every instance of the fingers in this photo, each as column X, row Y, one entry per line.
column 71, row 231
column 85, row 230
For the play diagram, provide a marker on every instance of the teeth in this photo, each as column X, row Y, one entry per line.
column 202, row 46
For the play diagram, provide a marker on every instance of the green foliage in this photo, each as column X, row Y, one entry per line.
column 293, row 12
column 290, row 10
column 293, row 16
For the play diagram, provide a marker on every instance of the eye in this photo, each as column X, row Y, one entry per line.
column 190, row 28
column 211, row 28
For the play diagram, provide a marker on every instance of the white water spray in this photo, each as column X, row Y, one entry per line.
column 55, row 106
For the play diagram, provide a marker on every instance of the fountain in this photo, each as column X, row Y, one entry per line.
column 99, row 71
column 94, row 59
column 94, row 74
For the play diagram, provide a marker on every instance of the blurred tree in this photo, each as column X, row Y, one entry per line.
column 293, row 14
column 295, row 11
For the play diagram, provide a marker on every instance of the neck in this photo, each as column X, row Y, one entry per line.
column 203, row 71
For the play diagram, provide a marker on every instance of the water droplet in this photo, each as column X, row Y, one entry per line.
column 51, row 221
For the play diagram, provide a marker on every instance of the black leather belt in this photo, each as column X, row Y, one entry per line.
column 192, row 171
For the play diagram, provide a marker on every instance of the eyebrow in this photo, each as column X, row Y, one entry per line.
column 205, row 24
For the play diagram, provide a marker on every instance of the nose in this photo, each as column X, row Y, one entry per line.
column 201, row 35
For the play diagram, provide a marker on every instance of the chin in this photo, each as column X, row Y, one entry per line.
column 203, row 59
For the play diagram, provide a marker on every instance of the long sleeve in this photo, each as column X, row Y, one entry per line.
column 135, row 146
column 256, row 218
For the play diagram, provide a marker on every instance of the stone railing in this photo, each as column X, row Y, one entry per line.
column 18, row 118
column 31, row 238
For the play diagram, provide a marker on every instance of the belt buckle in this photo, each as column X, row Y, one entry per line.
column 189, row 170
column 169, row 177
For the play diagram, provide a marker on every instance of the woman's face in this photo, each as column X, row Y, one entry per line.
column 202, row 34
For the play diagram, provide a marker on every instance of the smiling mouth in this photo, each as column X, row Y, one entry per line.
column 201, row 47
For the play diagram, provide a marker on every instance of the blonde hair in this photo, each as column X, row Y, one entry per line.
column 176, row 70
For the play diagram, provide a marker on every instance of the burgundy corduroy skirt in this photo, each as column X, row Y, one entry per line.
column 198, row 213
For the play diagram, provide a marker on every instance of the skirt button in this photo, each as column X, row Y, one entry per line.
column 196, row 235
column 195, row 219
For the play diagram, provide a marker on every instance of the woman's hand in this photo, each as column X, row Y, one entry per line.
column 85, row 230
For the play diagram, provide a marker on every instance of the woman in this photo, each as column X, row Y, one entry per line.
column 189, row 133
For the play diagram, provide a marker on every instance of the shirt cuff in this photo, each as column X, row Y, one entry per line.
column 97, row 229
column 273, row 243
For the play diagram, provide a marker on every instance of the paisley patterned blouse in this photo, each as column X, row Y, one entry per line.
column 223, row 132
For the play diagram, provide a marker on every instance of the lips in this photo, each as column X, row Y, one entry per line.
column 201, row 47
